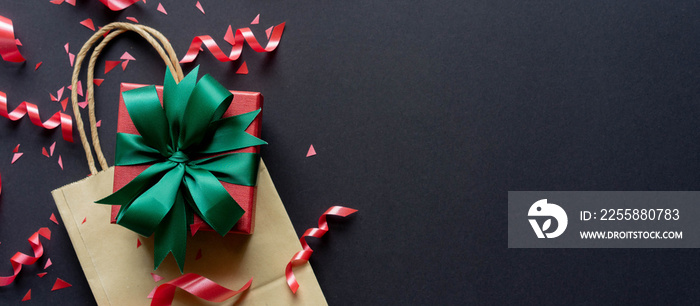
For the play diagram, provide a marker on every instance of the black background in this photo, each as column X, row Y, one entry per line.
column 424, row 115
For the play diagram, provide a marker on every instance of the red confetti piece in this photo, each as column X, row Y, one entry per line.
column 52, row 147
column 237, row 40
column 60, row 284
column 16, row 149
column 197, row 285
column 98, row 123
column 302, row 256
column 15, row 157
column 199, row 6
column 71, row 58
column 42, row 274
column 161, row 9
column 127, row 56
column 56, row 1
column 67, row 47
column 109, row 65
column 60, row 163
column 53, row 217
column 132, row 19
column 32, row 111
column 20, row 259
column 27, row 296
column 156, row 277
column 98, row 82
column 268, row 31
column 64, row 104
column 138, row 243
column 17, row 42
column 88, row 24
column 124, row 63
column 311, row 151
column 118, row 5
column 38, row 65
column 199, row 255
column 80, row 88
column 71, row 2
column 256, row 20
column 44, row 152
column 83, row 104
column 48, row 264
column 59, row 93
column 53, row 98
column 8, row 45
column 194, row 227
column 84, row 219
column 243, row 69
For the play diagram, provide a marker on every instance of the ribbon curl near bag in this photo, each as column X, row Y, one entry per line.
column 179, row 138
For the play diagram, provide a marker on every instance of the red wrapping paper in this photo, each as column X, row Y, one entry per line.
column 243, row 102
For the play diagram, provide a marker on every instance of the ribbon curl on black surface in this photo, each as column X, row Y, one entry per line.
column 175, row 137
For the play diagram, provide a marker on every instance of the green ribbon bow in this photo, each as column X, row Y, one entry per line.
column 175, row 137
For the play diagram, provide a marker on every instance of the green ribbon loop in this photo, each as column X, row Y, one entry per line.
column 179, row 183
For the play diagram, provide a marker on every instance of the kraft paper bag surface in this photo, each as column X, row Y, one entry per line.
column 119, row 273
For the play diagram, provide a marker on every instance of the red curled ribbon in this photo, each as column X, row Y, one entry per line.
column 302, row 256
column 197, row 285
column 118, row 5
column 8, row 45
column 20, row 259
column 31, row 110
column 242, row 35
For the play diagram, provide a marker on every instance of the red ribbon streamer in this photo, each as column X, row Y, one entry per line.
column 8, row 45
column 195, row 284
column 302, row 256
column 20, row 259
column 242, row 35
column 32, row 111
column 118, row 5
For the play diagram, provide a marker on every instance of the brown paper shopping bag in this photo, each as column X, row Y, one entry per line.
column 119, row 272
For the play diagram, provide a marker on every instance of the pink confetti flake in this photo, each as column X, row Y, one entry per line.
column 38, row 65
column 124, row 63
column 71, row 2
column 132, row 19
column 67, row 47
column 45, row 153
column 156, row 277
column 138, row 243
column 48, row 264
column 127, row 56
column 15, row 157
column 42, row 274
column 53, row 146
column 98, row 123
column 199, row 6
column 256, row 20
column 60, row 284
column 199, row 255
column 53, row 218
column 83, row 104
column 88, row 24
column 80, row 88
column 71, row 58
column 16, row 149
column 27, row 296
column 17, row 42
column 109, row 65
column 56, row 1
column 150, row 295
column 311, row 151
column 268, row 32
column 243, row 69
column 60, row 163
column 59, row 93
column 161, row 9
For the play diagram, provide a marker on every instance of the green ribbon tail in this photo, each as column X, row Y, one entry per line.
column 229, row 134
column 213, row 203
column 132, row 150
column 171, row 235
column 138, row 185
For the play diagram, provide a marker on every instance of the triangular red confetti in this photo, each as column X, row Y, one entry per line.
column 60, row 163
column 17, row 42
column 109, row 65
column 59, row 94
column 194, row 227
column 53, row 146
column 80, row 88
column 56, row 1
column 268, row 32
column 98, row 82
column 42, row 274
column 256, row 20
column 16, row 149
column 53, row 98
column 27, row 296
column 38, row 65
column 48, row 263
column 71, row 58
column 64, row 103
column 127, row 56
column 138, row 243
column 60, row 284
column 98, row 123
column 150, row 295
column 156, row 277
column 88, row 24
column 311, row 151
column 71, row 2
column 67, row 47
column 53, row 217
column 44, row 152
column 84, row 219
column 83, row 104
column 199, row 6
column 228, row 37
column 15, row 157
column 132, row 19
column 199, row 255
column 124, row 63
column 161, row 9
column 243, row 69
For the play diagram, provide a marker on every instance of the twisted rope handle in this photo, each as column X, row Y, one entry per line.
column 153, row 37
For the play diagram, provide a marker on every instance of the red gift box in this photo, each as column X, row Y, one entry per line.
column 243, row 102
